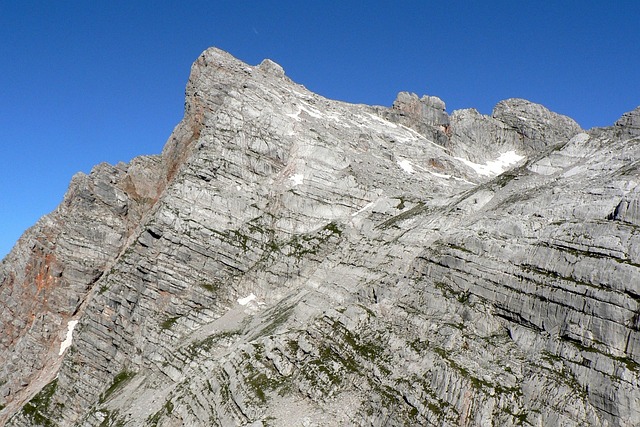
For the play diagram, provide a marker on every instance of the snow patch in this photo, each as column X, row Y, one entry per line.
column 405, row 165
column 381, row 120
column 246, row 300
column 299, row 94
column 440, row 175
column 296, row 179
column 296, row 115
column 67, row 342
column 413, row 136
column 313, row 112
column 494, row 167
column 445, row 176
column 367, row 206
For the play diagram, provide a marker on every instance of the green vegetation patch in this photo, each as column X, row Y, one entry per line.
column 260, row 383
column 168, row 323
column 118, row 381
column 278, row 316
column 234, row 237
column 167, row 409
column 369, row 350
column 207, row 344
column 300, row 245
column 213, row 287
column 37, row 408
column 322, row 373
column 110, row 419
column 342, row 356
column 333, row 228
column 449, row 292
column 477, row 383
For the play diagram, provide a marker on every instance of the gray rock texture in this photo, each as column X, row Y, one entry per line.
column 629, row 123
column 293, row 260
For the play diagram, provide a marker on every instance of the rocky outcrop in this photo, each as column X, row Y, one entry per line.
column 428, row 110
column 537, row 127
column 426, row 115
column 515, row 124
column 52, row 270
column 289, row 257
column 629, row 123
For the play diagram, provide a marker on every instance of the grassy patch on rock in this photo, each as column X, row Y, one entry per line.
column 118, row 381
column 37, row 408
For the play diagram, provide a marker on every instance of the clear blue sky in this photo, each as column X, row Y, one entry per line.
column 83, row 82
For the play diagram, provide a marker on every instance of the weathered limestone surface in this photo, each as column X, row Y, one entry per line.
column 292, row 260
column 629, row 123
column 515, row 124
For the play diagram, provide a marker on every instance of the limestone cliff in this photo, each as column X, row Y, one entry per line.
column 292, row 260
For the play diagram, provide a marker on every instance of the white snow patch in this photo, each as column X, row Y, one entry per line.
column 300, row 94
column 296, row 115
column 494, row 167
column 313, row 112
column 405, row 134
column 440, row 175
column 381, row 120
column 445, row 176
column 406, row 165
column 246, row 300
column 296, row 179
column 367, row 206
column 338, row 118
column 67, row 342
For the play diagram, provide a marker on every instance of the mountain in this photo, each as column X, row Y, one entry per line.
column 293, row 260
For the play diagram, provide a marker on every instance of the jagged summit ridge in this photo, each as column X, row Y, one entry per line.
column 293, row 257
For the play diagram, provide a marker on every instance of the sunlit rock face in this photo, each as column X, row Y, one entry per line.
column 293, row 260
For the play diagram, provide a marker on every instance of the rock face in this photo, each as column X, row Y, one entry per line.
column 629, row 123
column 292, row 259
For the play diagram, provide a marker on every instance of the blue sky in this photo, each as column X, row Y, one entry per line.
column 82, row 82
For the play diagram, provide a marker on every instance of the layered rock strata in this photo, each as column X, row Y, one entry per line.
column 292, row 259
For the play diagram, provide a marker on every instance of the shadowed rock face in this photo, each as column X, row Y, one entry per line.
column 629, row 124
column 289, row 257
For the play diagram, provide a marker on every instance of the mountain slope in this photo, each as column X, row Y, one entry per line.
column 292, row 259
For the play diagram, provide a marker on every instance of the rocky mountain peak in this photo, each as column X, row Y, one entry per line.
column 290, row 257
column 538, row 126
column 629, row 123
column 428, row 109
column 270, row 67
